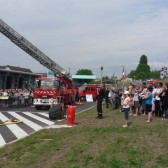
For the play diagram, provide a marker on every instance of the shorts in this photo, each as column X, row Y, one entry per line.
column 136, row 104
column 148, row 108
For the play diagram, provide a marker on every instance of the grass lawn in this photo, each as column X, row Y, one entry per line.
column 93, row 143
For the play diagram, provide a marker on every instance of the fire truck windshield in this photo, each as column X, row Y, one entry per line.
column 81, row 88
column 46, row 84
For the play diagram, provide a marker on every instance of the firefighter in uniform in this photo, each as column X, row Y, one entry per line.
column 100, row 97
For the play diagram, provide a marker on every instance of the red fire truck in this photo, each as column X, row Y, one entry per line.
column 53, row 93
column 88, row 89
column 50, row 92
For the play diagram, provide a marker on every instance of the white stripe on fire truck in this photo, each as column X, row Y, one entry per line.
column 31, row 124
column 17, row 131
column 39, row 118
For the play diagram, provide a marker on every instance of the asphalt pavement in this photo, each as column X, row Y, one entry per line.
column 80, row 107
column 33, row 120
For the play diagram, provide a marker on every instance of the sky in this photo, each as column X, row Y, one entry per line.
column 87, row 34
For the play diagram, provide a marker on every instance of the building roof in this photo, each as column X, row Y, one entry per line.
column 13, row 68
column 83, row 77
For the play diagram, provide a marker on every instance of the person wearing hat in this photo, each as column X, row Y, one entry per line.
column 126, row 107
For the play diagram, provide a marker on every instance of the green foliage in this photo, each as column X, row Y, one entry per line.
column 84, row 72
column 106, row 80
column 143, row 71
column 132, row 74
column 143, row 60
column 143, row 68
column 155, row 74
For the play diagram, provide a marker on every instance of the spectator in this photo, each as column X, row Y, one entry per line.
column 149, row 97
column 165, row 102
column 107, row 97
column 111, row 97
column 131, row 104
column 157, row 93
column 136, row 101
column 143, row 101
column 126, row 107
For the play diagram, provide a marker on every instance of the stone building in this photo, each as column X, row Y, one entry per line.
column 12, row 77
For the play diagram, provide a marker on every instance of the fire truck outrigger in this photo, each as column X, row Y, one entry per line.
column 54, row 93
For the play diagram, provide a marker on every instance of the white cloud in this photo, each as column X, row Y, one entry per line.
column 88, row 33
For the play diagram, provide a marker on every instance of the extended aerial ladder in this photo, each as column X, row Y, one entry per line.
column 29, row 48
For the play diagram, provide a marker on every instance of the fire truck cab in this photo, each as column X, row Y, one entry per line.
column 49, row 92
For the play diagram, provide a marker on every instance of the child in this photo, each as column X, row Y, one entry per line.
column 126, row 107
column 131, row 104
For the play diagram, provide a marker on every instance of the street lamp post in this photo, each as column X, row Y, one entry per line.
column 101, row 73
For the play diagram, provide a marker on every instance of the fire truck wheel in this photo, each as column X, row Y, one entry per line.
column 56, row 112
column 82, row 99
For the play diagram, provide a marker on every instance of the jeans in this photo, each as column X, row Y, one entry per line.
column 166, row 114
column 126, row 110
column 143, row 106
column 158, row 111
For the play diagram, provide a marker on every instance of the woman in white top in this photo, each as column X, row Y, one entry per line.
column 126, row 107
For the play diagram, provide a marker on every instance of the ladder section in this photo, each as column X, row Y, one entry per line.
column 29, row 48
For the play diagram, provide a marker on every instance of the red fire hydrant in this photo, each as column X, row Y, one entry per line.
column 71, row 115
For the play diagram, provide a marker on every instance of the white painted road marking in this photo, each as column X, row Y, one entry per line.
column 2, row 141
column 26, row 121
column 39, row 118
column 17, row 131
column 44, row 114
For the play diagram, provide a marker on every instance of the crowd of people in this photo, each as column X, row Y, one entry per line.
column 145, row 99
column 16, row 97
column 112, row 97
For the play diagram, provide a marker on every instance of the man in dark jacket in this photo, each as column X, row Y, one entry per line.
column 100, row 97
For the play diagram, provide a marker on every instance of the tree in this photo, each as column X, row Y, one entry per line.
column 143, row 60
column 142, row 71
column 84, row 72
column 132, row 74
column 155, row 74
column 106, row 79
